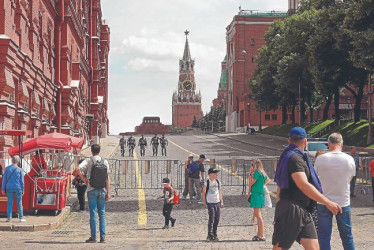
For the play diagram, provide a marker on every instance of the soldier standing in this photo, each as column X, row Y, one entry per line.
column 122, row 144
column 131, row 145
column 164, row 142
column 142, row 144
column 154, row 143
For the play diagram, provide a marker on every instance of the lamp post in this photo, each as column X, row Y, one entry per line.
column 259, row 107
column 369, row 137
column 349, row 108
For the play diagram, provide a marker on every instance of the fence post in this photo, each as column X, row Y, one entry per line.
column 233, row 165
column 168, row 166
column 124, row 167
column 212, row 163
column 147, row 166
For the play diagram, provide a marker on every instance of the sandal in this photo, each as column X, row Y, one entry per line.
column 256, row 238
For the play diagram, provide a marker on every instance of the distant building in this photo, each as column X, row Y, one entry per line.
column 186, row 103
column 53, row 68
column 244, row 36
column 150, row 125
column 221, row 93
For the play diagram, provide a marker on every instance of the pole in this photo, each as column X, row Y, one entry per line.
column 299, row 103
column 259, row 126
column 369, row 137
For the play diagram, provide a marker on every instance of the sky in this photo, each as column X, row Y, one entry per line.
column 147, row 41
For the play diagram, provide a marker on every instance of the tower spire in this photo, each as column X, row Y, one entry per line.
column 186, row 54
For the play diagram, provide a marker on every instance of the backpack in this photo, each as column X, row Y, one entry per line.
column 207, row 187
column 193, row 167
column 99, row 174
column 176, row 196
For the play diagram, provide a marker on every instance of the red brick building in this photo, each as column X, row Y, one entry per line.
column 221, row 93
column 186, row 103
column 152, row 125
column 53, row 68
column 244, row 36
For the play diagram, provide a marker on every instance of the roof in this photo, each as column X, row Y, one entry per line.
column 186, row 53
column 256, row 13
column 223, row 80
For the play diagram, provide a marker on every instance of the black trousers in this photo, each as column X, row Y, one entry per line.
column 166, row 211
column 214, row 210
column 81, row 191
column 122, row 151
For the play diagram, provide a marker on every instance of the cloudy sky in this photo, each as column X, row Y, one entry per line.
column 147, row 41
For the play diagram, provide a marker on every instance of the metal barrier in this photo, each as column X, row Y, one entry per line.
column 364, row 175
column 146, row 174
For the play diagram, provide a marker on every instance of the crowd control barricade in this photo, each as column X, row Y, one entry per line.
column 146, row 174
column 363, row 181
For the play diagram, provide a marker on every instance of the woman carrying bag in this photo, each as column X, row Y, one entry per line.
column 257, row 194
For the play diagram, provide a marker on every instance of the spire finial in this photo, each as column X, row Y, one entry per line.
column 186, row 33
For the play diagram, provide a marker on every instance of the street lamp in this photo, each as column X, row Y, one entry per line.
column 369, row 137
column 349, row 107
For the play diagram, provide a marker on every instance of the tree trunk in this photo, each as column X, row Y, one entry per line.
column 311, row 113
column 326, row 108
column 303, row 109
column 284, row 114
column 336, row 104
column 293, row 114
column 358, row 100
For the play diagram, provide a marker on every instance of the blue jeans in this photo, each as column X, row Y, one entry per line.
column 10, row 194
column 325, row 227
column 96, row 201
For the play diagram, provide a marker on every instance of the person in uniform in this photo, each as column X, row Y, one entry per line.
column 142, row 144
column 131, row 145
column 164, row 142
column 154, row 143
column 122, row 144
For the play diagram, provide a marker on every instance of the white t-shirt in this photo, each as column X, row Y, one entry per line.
column 335, row 170
column 212, row 195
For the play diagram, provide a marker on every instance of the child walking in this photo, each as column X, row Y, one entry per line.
column 168, row 203
column 212, row 197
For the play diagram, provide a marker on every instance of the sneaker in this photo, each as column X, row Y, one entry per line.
column 165, row 227
column 173, row 222
column 210, row 238
column 200, row 201
column 91, row 240
column 184, row 197
column 8, row 220
column 22, row 220
column 215, row 238
column 102, row 240
column 353, row 195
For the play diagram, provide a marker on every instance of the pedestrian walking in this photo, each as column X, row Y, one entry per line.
column 371, row 169
column 256, row 192
column 122, row 144
column 335, row 170
column 298, row 188
column 131, row 145
column 164, row 143
column 186, row 178
column 168, row 195
column 13, row 185
column 154, row 144
column 212, row 196
column 81, row 185
column 195, row 170
column 142, row 144
column 98, row 191
column 250, row 177
column 354, row 154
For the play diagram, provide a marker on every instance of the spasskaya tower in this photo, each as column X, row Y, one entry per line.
column 186, row 102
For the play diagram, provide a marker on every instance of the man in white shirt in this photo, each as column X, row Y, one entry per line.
column 335, row 170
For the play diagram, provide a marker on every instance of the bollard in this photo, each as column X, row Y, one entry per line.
column 124, row 167
column 212, row 163
column 168, row 167
column 233, row 165
column 147, row 166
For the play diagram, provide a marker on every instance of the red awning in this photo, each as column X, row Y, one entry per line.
column 51, row 141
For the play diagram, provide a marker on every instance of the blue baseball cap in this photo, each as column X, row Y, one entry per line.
column 298, row 133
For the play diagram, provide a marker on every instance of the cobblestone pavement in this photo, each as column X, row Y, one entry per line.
column 235, row 231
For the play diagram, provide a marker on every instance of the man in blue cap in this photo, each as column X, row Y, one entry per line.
column 298, row 190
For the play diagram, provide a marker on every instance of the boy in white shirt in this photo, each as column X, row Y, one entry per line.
column 212, row 197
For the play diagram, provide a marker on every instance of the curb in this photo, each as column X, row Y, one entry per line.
column 42, row 227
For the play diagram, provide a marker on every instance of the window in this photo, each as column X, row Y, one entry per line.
column 267, row 117
column 274, row 117
column 252, row 42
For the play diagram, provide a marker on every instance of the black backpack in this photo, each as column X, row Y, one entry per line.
column 99, row 174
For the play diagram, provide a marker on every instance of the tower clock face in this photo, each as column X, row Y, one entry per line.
column 187, row 85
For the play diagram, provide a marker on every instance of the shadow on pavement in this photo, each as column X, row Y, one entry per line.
column 54, row 242
column 205, row 241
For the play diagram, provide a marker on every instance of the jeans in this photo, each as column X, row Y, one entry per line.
column 187, row 184
column 325, row 227
column 197, row 183
column 163, row 150
column 166, row 212
column 214, row 214
column 81, row 190
column 353, row 184
column 155, row 149
column 10, row 194
column 96, row 201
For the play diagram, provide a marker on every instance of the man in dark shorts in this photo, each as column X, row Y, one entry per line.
column 298, row 190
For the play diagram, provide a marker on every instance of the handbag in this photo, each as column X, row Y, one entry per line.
column 249, row 199
column 268, row 202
